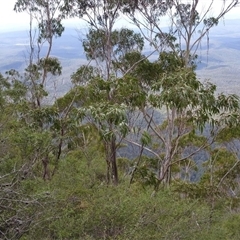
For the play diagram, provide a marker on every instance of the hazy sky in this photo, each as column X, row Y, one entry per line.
column 9, row 20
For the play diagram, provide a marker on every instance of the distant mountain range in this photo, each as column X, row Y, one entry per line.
column 219, row 59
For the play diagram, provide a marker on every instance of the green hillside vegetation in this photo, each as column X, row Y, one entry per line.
column 136, row 149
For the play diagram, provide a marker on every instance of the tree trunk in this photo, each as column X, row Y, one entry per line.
column 114, row 161
column 111, row 160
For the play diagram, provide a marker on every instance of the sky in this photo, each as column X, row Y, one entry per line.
column 12, row 21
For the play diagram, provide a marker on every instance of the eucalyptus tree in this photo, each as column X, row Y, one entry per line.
column 166, row 85
column 45, row 23
column 172, row 84
column 103, row 104
column 105, row 46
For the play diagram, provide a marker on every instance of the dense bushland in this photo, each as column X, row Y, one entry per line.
column 137, row 149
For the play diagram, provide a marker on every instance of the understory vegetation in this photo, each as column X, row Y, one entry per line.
column 137, row 148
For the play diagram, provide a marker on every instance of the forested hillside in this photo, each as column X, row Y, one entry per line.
column 138, row 148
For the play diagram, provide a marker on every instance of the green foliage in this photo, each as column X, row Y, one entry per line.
column 192, row 139
column 78, row 210
column 129, row 91
column 231, row 226
column 146, row 138
column 186, row 15
column 222, row 171
column 122, row 42
column 209, row 22
column 84, row 74
column 228, row 134
column 51, row 65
